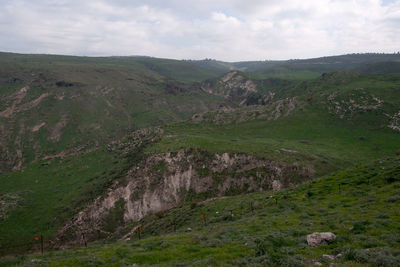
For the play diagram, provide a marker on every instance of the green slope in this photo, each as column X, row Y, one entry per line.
column 50, row 104
column 311, row 134
column 180, row 70
column 338, row 120
column 359, row 205
column 370, row 63
column 75, row 104
column 41, row 198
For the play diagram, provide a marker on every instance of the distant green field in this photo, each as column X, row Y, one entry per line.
column 284, row 73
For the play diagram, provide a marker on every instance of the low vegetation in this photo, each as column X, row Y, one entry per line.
column 75, row 129
column 39, row 199
column 359, row 205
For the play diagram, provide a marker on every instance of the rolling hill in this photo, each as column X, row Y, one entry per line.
column 100, row 145
column 55, row 105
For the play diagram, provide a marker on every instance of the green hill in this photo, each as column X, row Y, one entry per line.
column 55, row 104
column 358, row 205
column 99, row 145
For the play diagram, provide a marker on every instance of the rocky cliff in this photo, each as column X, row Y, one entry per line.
column 164, row 181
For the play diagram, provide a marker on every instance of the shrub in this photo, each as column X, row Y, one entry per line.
column 360, row 227
column 260, row 247
column 115, row 217
column 382, row 257
column 393, row 199
column 392, row 179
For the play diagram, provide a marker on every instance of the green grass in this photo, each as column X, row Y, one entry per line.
column 50, row 192
column 314, row 135
column 359, row 205
column 109, row 98
column 113, row 96
column 285, row 73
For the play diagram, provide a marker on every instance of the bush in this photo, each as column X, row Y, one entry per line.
column 213, row 243
column 295, row 260
column 275, row 251
column 359, row 227
column 392, row 179
column 382, row 257
column 349, row 253
column 393, row 199
column 260, row 247
column 115, row 217
column 260, row 261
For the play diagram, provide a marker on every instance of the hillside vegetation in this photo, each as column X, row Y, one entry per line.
column 53, row 105
column 359, row 205
column 298, row 69
column 96, row 146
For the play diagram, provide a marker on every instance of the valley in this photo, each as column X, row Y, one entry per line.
column 268, row 152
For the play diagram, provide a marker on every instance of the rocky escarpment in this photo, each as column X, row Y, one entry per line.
column 350, row 104
column 395, row 122
column 164, row 181
column 237, row 88
column 273, row 111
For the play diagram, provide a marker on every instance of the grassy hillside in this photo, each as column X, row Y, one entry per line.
column 308, row 137
column 39, row 199
column 337, row 121
column 340, row 119
column 52, row 104
column 57, row 115
column 370, row 63
column 180, row 70
column 359, row 205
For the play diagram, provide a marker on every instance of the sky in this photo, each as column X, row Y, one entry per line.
column 229, row 30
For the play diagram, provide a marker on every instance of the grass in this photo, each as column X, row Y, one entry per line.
column 285, row 73
column 312, row 135
column 110, row 97
column 359, row 205
column 50, row 192
column 107, row 98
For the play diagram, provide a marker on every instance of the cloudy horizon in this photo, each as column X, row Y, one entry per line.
column 229, row 30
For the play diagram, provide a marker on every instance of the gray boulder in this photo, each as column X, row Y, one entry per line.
column 328, row 257
column 316, row 239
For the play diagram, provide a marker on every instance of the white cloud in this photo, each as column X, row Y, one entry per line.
column 225, row 29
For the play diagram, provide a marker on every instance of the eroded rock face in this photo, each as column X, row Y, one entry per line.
column 395, row 122
column 356, row 102
column 317, row 239
column 237, row 88
column 271, row 111
column 164, row 181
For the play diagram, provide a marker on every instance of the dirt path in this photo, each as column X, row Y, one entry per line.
column 18, row 96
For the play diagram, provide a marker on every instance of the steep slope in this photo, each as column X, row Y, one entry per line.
column 40, row 199
column 164, row 181
column 57, row 105
column 53, row 105
column 310, row 129
column 358, row 205
column 241, row 135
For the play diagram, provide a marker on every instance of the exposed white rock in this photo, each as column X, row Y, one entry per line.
column 163, row 181
column 328, row 257
column 317, row 239
column 276, row 185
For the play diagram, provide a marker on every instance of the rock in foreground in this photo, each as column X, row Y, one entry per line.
column 317, row 239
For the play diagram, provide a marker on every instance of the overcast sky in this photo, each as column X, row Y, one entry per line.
column 229, row 30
